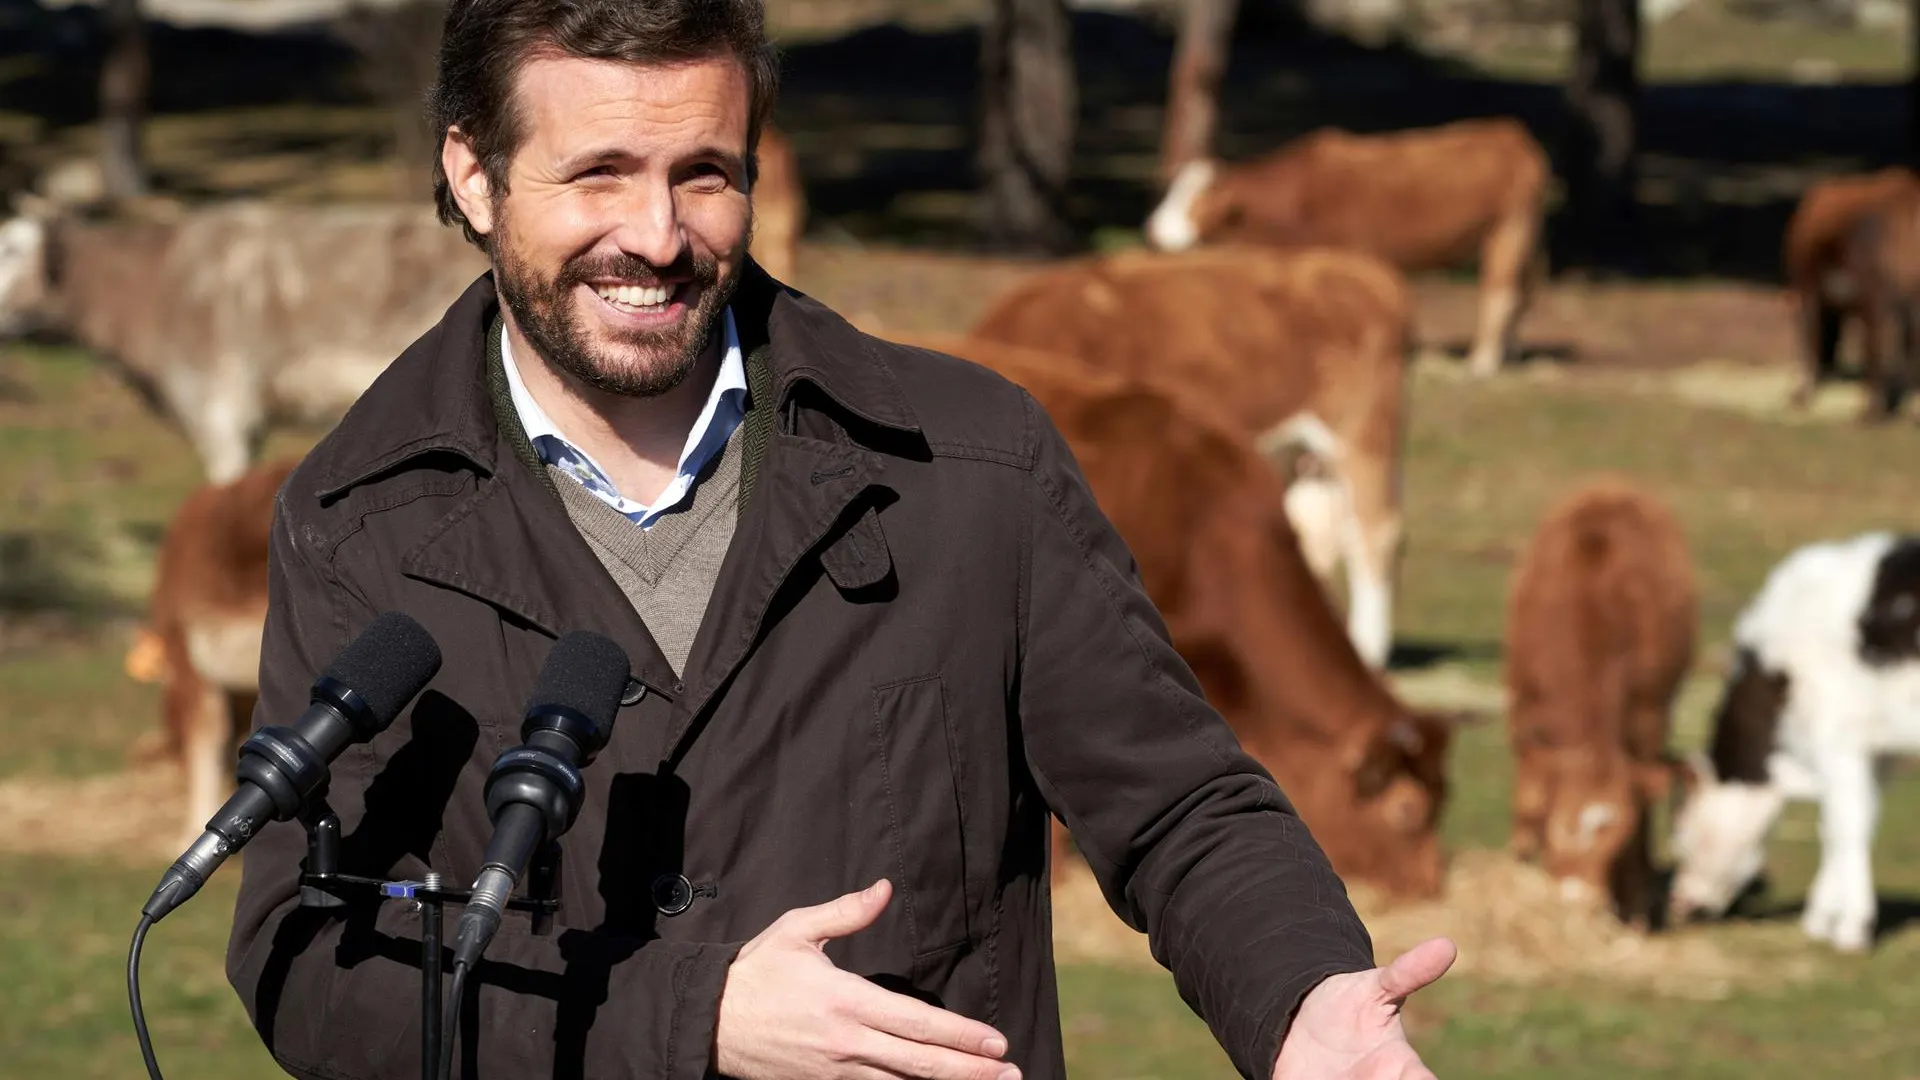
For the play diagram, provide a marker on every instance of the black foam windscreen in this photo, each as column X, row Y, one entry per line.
column 585, row 672
column 392, row 660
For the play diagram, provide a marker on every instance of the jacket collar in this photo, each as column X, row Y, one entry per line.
column 434, row 398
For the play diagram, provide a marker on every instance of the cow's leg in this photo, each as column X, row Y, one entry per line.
column 1631, row 877
column 1884, row 360
column 1819, row 325
column 1841, row 906
column 203, row 721
column 1530, row 803
column 1504, row 261
column 1059, row 853
column 222, row 417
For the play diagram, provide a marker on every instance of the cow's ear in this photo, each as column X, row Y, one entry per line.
column 1386, row 756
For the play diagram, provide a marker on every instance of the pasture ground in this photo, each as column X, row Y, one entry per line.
column 94, row 477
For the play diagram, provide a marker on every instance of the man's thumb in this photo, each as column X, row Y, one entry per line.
column 843, row 915
column 1417, row 967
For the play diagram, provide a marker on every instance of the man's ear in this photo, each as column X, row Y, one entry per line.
column 472, row 191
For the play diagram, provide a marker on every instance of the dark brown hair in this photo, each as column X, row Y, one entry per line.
column 486, row 42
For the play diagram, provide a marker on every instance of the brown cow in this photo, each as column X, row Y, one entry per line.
column 1301, row 349
column 1204, row 520
column 779, row 206
column 1421, row 199
column 202, row 639
column 1821, row 287
column 1880, row 258
column 1600, row 630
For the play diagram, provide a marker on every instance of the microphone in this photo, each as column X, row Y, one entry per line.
column 280, row 768
column 534, row 790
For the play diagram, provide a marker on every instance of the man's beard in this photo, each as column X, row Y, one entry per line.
column 645, row 363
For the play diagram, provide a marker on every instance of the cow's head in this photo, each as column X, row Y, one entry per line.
column 1719, row 840
column 1595, row 805
column 24, row 263
column 1720, row 828
column 1394, row 788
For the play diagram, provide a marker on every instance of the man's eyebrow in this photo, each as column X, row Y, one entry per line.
column 587, row 159
column 613, row 155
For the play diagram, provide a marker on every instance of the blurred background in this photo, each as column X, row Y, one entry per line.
column 1660, row 343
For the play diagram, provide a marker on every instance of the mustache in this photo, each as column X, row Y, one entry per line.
column 585, row 268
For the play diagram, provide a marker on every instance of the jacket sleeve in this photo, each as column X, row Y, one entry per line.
column 1189, row 837
column 337, row 996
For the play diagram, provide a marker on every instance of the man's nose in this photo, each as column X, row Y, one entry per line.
column 647, row 225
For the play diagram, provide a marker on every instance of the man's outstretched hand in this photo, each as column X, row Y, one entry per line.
column 1348, row 1027
column 786, row 1013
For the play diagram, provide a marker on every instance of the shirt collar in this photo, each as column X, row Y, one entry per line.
column 724, row 409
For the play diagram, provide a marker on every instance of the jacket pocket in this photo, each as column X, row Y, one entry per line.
column 921, row 779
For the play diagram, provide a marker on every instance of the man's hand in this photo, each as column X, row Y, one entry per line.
column 787, row 1013
column 1348, row 1027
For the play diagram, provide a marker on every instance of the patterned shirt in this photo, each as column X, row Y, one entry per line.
column 726, row 406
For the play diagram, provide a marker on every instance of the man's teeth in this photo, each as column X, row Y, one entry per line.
column 634, row 296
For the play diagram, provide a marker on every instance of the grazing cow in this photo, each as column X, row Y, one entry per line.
column 202, row 639
column 1821, row 284
column 779, row 206
column 1600, row 629
column 1420, row 199
column 1825, row 688
column 1206, row 526
column 1880, row 257
column 1306, row 350
column 243, row 316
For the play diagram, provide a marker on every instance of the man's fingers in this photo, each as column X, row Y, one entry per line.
column 917, row 1022
column 919, row 1061
column 1417, row 967
column 843, row 915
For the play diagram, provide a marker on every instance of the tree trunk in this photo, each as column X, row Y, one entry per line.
column 1193, row 93
column 1913, row 84
column 1029, row 103
column 123, row 100
column 399, row 48
column 1603, row 113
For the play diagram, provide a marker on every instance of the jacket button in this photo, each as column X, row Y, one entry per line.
column 633, row 693
column 672, row 894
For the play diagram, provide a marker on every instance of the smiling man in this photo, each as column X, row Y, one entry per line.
column 879, row 631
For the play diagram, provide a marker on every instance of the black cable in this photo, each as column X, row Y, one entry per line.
column 450, row 1027
column 133, row 996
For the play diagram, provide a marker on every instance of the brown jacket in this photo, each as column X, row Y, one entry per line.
column 925, row 637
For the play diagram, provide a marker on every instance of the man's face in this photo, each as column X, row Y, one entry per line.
column 626, row 218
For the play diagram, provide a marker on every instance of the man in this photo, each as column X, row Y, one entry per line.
column 879, row 631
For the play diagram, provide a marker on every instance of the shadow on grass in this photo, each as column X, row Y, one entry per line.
column 1420, row 654
column 40, row 575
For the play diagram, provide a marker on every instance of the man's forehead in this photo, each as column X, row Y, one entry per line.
column 712, row 89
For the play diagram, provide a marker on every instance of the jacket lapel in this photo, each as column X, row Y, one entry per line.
column 512, row 545
column 806, row 486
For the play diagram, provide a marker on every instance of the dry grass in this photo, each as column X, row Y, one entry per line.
column 132, row 816
column 1511, row 925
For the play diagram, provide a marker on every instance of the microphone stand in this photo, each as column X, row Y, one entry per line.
column 322, row 885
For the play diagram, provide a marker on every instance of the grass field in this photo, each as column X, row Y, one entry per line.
column 94, row 476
